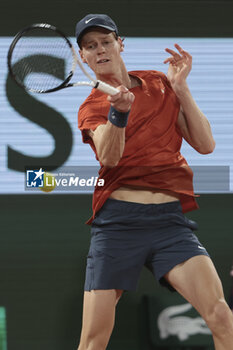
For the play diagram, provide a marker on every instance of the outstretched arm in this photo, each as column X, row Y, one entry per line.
column 193, row 124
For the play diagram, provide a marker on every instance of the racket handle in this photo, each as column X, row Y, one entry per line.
column 106, row 88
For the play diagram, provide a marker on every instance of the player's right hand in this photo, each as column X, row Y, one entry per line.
column 122, row 101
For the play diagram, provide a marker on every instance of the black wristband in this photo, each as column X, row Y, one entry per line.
column 117, row 118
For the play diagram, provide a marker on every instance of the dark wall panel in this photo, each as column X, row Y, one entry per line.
column 43, row 246
column 135, row 18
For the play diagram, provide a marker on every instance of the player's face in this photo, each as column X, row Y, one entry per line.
column 101, row 51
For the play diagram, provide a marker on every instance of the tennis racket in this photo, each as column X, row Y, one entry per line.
column 42, row 59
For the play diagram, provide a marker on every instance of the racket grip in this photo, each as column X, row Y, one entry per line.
column 106, row 88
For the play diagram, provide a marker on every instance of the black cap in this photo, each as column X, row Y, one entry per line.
column 94, row 20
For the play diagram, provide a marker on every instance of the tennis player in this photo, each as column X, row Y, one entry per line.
column 138, row 217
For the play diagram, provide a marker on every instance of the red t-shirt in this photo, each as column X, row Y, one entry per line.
column 151, row 157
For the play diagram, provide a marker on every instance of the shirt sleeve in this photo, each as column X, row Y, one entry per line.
column 90, row 116
column 164, row 78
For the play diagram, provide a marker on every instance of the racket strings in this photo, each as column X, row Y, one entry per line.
column 41, row 62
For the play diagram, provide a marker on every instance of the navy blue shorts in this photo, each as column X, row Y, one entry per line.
column 126, row 236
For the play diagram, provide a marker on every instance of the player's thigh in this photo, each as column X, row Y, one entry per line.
column 99, row 310
column 197, row 281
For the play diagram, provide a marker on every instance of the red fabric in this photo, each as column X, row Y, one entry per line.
column 151, row 156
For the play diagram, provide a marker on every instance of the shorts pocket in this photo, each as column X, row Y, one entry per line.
column 90, row 263
column 104, row 253
column 182, row 220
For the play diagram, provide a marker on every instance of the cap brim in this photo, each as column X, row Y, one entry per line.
column 93, row 26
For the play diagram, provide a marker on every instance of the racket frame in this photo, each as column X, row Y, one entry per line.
column 97, row 84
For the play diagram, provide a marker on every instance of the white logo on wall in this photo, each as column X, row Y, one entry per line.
column 38, row 178
column 181, row 326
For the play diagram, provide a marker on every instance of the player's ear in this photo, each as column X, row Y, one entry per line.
column 82, row 56
column 120, row 41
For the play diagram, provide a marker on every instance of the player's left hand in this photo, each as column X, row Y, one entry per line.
column 180, row 64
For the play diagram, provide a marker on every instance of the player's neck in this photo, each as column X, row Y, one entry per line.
column 117, row 78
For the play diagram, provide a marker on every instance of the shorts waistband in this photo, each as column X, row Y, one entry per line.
column 133, row 207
